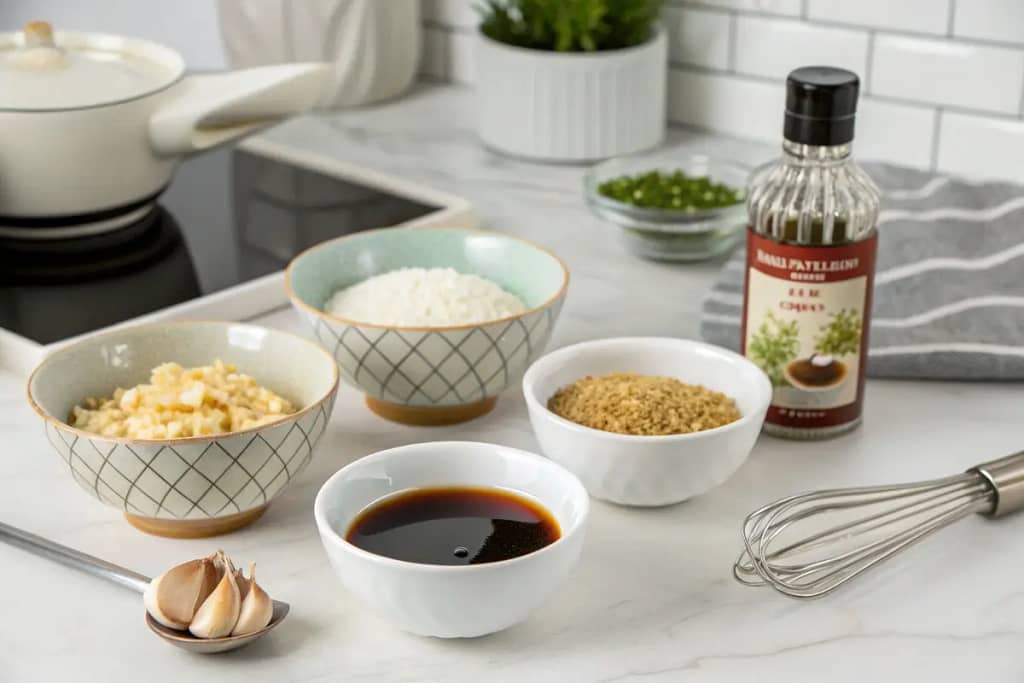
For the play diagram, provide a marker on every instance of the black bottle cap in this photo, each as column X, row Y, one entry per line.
column 821, row 104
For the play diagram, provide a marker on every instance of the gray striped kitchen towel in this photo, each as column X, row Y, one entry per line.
column 949, row 289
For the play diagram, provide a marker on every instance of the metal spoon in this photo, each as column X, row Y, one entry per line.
column 138, row 583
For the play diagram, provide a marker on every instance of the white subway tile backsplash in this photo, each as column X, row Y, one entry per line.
column 990, row 20
column 788, row 7
column 948, row 73
column 897, row 133
column 727, row 104
column 924, row 101
column 772, row 47
column 457, row 13
column 981, row 147
column 698, row 36
column 461, row 57
column 435, row 53
column 927, row 16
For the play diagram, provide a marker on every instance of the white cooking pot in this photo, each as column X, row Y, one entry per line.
column 93, row 124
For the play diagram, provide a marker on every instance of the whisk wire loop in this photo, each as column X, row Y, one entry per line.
column 858, row 526
column 891, row 519
column 853, row 563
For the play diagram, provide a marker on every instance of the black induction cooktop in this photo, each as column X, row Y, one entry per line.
column 228, row 217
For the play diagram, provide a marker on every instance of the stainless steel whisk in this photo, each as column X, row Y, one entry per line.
column 808, row 545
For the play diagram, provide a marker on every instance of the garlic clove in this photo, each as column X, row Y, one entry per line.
column 224, row 565
column 219, row 612
column 243, row 583
column 211, row 578
column 257, row 607
column 220, row 561
column 210, row 598
column 173, row 597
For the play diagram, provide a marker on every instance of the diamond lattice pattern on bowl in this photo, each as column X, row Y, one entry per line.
column 201, row 480
column 436, row 368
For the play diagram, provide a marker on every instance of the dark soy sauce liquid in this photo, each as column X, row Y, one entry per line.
column 454, row 526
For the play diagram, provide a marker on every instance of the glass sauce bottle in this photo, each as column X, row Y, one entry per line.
column 811, row 248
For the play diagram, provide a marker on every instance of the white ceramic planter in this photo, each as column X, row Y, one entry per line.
column 571, row 106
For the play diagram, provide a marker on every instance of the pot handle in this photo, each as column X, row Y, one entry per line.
column 211, row 109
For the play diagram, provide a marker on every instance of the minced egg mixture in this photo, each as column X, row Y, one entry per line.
column 182, row 402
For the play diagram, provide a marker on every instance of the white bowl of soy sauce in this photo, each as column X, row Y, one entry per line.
column 452, row 539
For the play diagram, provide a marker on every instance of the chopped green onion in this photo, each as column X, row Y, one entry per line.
column 670, row 190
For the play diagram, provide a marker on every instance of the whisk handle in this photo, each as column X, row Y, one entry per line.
column 1006, row 477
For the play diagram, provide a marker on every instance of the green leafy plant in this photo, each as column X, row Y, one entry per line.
column 841, row 335
column 570, row 25
column 773, row 345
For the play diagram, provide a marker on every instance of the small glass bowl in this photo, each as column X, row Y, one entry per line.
column 672, row 234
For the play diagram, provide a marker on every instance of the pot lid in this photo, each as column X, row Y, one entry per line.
column 43, row 70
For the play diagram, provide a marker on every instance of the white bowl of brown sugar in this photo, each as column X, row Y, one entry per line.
column 647, row 421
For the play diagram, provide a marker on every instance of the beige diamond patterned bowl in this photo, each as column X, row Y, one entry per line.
column 431, row 375
column 196, row 486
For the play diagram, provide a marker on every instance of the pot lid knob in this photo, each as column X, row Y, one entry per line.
column 38, row 34
column 40, row 53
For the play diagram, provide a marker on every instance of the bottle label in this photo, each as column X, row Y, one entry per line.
column 806, row 311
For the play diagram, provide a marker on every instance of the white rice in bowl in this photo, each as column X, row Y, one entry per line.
column 424, row 297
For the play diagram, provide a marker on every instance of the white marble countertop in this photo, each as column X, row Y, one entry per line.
column 653, row 598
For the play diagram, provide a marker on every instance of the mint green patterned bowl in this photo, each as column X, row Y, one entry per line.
column 431, row 375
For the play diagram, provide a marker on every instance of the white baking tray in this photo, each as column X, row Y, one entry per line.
column 265, row 294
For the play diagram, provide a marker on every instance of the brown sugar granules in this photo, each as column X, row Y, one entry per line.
column 628, row 403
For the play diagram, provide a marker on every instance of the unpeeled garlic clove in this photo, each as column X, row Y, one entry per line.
column 210, row 598
column 173, row 598
column 257, row 607
column 219, row 612
column 243, row 583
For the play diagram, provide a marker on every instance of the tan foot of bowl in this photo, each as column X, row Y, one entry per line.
column 430, row 416
column 195, row 528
